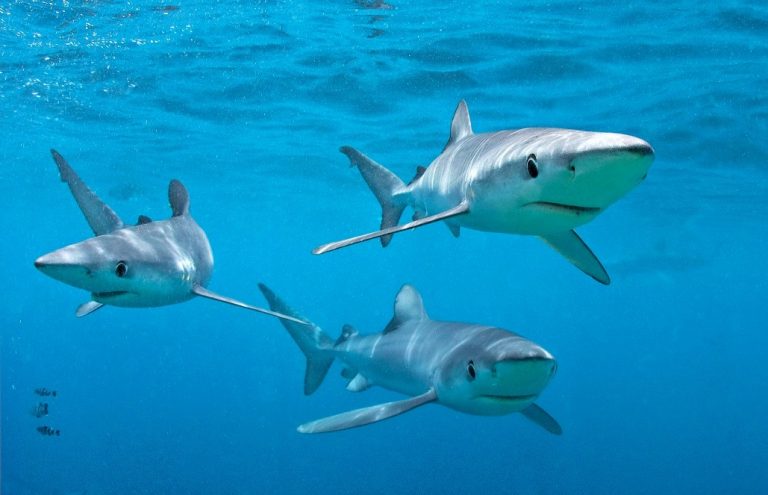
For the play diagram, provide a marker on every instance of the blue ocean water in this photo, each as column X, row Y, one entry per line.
column 661, row 380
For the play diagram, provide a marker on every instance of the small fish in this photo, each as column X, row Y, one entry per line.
column 48, row 431
column 44, row 392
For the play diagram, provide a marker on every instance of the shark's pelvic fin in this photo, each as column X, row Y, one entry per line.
column 366, row 415
column 99, row 215
column 455, row 229
column 384, row 185
column 87, row 308
column 461, row 209
column 570, row 245
column 358, row 383
column 542, row 418
column 312, row 341
column 461, row 126
column 408, row 306
column 203, row 292
column 179, row 198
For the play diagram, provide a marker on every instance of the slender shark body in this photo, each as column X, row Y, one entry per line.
column 471, row 368
column 534, row 181
column 153, row 263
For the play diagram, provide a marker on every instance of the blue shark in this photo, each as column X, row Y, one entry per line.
column 152, row 263
column 471, row 368
column 543, row 182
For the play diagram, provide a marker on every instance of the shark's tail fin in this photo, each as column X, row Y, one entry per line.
column 385, row 186
column 312, row 341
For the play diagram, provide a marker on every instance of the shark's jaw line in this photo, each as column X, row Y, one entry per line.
column 507, row 397
column 577, row 210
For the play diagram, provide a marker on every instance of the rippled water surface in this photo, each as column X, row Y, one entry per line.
column 660, row 378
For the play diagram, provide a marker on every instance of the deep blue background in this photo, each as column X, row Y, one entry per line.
column 661, row 381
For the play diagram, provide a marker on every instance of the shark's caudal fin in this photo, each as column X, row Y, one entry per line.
column 312, row 341
column 99, row 215
column 570, row 245
column 203, row 292
column 384, row 185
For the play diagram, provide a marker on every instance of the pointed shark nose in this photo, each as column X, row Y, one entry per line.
column 640, row 148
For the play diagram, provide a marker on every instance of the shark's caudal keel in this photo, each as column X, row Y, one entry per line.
column 470, row 368
column 534, row 181
column 152, row 263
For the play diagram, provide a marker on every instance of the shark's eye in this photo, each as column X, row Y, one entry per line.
column 471, row 370
column 533, row 166
column 121, row 269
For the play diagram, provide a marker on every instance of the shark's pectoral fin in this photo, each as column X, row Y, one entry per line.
column 203, row 292
column 99, row 215
column 366, row 415
column 542, row 418
column 455, row 229
column 87, row 308
column 570, row 245
column 461, row 209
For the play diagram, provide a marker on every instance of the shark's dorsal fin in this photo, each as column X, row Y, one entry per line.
column 408, row 306
column 461, row 126
column 99, row 215
column 179, row 198
column 419, row 172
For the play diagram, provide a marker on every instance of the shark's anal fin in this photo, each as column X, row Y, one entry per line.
column 461, row 209
column 366, row 415
column 87, row 308
column 570, row 245
column 455, row 229
column 203, row 292
column 99, row 215
column 542, row 418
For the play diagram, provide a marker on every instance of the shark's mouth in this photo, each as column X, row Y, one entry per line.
column 508, row 397
column 577, row 210
column 113, row 293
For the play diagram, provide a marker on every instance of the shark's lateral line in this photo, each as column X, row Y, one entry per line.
column 534, row 181
column 471, row 368
column 149, row 264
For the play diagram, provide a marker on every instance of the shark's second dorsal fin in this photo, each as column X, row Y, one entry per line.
column 347, row 332
column 408, row 306
column 143, row 219
column 461, row 126
column 178, row 197
column 99, row 215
